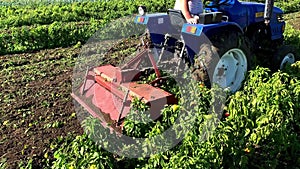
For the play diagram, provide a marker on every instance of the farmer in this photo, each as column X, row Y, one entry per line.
column 190, row 9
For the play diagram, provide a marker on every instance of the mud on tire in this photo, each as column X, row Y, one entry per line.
column 211, row 55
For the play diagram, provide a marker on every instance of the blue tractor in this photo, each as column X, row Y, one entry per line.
column 221, row 47
column 218, row 50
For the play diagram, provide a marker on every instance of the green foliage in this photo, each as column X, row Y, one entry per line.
column 73, row 12
column 292, row 36
column 288, row 6
column 137, row 122
column 262, row 121
column 169, row 84
column 38, row 2
column 26, row 165
column 64, row 25
column 261, row 131
column 3, row 164
column 57, row 34
column 293, row 70
column 16, row 16
column 82, row 153
column 198, row 148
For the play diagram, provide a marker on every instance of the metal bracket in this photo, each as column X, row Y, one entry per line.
column 167, row 36
column 85, row 78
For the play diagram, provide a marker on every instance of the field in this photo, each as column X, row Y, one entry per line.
column 39, row 45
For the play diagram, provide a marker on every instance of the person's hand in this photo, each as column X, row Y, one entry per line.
column 193, row 20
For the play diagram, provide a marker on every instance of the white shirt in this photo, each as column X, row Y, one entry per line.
column 195, row 6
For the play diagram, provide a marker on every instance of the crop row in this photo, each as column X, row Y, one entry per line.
column 57, row 34
column 39, row 2
column 64, row 33
column 61, row 34
column 82, row 11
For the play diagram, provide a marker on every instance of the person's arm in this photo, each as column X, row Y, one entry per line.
column 186, row 13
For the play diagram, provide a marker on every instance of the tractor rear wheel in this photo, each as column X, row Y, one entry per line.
column 224, row 62
column 284, row 55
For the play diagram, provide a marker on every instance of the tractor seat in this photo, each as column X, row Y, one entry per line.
column 211, row 17
column 176, row 17
column 177, row 20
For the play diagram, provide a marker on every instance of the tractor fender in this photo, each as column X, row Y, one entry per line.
column 158, row 24
column 194, row 35
column 224, row 26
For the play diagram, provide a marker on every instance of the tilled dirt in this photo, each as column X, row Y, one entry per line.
column 35, row 102
column 35, row 106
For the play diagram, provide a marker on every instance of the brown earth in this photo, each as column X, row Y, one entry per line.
column 35, row 103
column 35, row 106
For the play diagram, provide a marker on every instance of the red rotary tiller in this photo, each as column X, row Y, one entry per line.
column 107, row 91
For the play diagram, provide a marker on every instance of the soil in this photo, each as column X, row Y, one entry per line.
column 35, row 103
column 34, row 94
